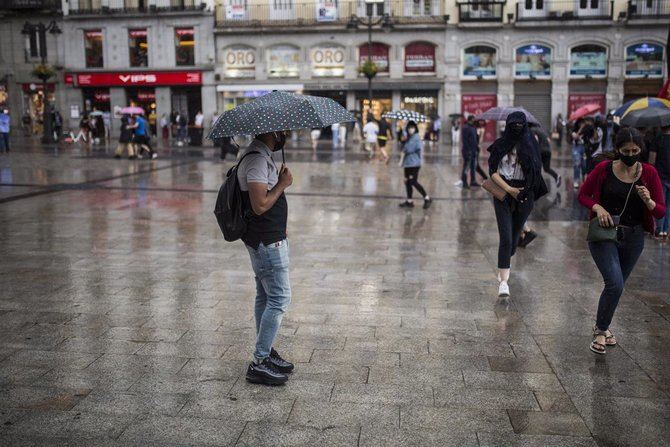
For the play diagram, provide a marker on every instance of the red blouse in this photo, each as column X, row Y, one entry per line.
column 589, row 193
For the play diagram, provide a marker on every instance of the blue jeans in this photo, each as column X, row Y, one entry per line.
column 663, row 223
column 578, row 162
column 615, row 262
column 469, row 163
column 273, row 293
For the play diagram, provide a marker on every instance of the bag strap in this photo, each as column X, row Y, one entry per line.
column 243, row 157
column 632, row 185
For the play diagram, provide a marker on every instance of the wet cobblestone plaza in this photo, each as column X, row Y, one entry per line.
column 127, row 320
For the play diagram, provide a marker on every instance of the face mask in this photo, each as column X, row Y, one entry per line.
column 280, row 141
column 516, row 129
column 629, row 160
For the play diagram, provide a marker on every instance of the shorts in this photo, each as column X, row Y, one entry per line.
column 381, row 142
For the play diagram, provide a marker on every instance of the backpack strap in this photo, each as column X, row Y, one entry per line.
column 243, row 157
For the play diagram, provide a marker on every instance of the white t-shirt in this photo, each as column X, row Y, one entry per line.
column 199, row 119
column 510, row 168
column 371, row 130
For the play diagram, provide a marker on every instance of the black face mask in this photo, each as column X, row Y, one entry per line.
column 629, row 160
column 279, row 143
column 515, row 130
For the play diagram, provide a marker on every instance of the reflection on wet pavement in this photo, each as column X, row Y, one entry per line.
column 126, row 319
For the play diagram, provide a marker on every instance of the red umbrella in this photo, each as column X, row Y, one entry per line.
column 583, row 111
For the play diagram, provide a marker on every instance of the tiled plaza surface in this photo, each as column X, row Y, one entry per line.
column 126, row 319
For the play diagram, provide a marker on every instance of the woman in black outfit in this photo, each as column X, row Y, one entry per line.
column 515, row 166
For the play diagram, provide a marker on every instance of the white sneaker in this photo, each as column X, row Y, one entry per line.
column 503, row 289
column 576, row 185
column 154, row 155
column 458, row 183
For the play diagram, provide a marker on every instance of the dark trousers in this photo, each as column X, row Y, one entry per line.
column 469, row 164
column 412, row 181
column 615, row 262
column 4, row 141
column 511, row 216
column 546, row 164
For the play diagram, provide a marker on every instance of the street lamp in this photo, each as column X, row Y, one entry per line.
column 41, row 29
column 369, row 21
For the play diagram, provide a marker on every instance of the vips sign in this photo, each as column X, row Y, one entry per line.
column 328, row 61
column 156, row 78
column 239, row 62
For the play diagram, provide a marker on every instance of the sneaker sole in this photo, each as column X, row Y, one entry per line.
column 503, row 295
column 264, row 381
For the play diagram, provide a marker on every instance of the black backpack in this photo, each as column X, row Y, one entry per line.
column 229, row 209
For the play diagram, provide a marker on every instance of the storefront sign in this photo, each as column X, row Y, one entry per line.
column 420, row 57
column 418, row 100
column 184, row 32
column 645, row 59
column 146, row 96
column 326, row 11
column 479, row 61
column 236, row 12
column 283, row 61
column 588, row 60
column 239, row 62
column 379, row 55
column 133, row 33
column 68, row 78
column 577, row 100
column 328, row 61
column 154, row 78
column 93, row 34
column 479, row 103
column 101, row 96
column 533, row 60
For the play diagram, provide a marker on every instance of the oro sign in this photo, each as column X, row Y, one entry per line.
column 239, row 62
column 328, row 61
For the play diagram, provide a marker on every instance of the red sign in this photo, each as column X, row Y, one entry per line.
column 93, row 34
column 101, row 96
column 420, row 57
column 37, row 87
column 577, row 100
column 146, row 96
column 379, row 55
column 68, row 78
column 479, row 103
column 137, row 33
column 133, row 78
column 184, row 31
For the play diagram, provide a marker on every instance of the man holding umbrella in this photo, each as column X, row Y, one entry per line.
column 265, row 209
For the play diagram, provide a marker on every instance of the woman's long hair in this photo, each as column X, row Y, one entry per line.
column 625, row 136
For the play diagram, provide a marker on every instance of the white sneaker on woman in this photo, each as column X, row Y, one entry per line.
column 503, row 289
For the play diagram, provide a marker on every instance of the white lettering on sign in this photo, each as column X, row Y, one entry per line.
column 138, row 78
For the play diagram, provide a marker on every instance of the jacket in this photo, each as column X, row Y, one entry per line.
column 470, row 142
column 589, row 193
column 412, row 150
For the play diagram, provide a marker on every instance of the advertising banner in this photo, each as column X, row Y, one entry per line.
column 533, row 60
column 593, row 63
column 283, row 61
column 480, row 103
column 326, row 11
column 479, row 61
column 420, row 57
column 380, row 56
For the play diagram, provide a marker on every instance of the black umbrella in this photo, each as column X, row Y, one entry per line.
column 278, row 111
column 651, row 117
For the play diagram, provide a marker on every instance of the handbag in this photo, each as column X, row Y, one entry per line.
column 598, row 233
column 492, row 188
column 555, row 136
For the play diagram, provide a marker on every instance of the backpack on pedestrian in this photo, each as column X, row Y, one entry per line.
column 229, row 209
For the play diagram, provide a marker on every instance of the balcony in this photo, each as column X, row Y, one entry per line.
column 473, row 11
column 282, row 13
column 30, row 5
column 648, row 9
column 562, row 10
column 79, row 7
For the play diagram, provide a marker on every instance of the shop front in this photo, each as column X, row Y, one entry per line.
column 382, row 101
column 421, row 101
column 33, row 105
column 477, row 99
column 96, row 99
column 644, row 70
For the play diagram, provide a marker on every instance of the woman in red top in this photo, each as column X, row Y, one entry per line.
column 630, row 191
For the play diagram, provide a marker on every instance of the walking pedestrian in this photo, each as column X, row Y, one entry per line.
column 5, row 125
column 660, row 158
column 165, row 129
column 514, row 166
column 609, row 131
column 481, row 132
column 84, row 131
column 57, row 120
column 314, row 135
column 182, row 128
column 455, row 132
column 343, row 135
column 335, row 134
column 383, row 136
column 627, row 194
column 411, row 162
column 141, row 138
column 437, row 127
column 125, row 143
column 263, row 186
column 559, row 128
column 469, row 152
column 578, row 151
column 544, row 144
column 370, row 132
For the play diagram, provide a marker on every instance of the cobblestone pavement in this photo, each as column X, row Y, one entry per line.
column 125, row 319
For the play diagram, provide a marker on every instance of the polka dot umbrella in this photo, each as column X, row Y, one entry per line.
column 405, row 115
column 278, row 111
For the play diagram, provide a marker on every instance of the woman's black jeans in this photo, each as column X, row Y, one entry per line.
column 511, row 216
column 615, row 262
column 412, row 181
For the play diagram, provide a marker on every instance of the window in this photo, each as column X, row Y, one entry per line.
column 138, row 48
column 588, row 60
column 32, row 45
column 184, row 39
column 93, row 48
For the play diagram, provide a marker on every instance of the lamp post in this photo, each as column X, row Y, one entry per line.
column 41, row 30
column 369, row 21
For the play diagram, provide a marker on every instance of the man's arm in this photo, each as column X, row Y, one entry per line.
column 261, row 199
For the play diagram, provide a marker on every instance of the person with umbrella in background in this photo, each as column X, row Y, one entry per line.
column 265, row 209
column 516, row 168
column 469, row 152
column 411, row 163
